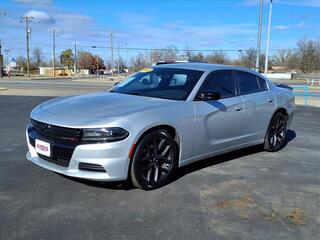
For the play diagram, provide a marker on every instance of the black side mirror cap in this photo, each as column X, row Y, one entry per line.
column 209, row 95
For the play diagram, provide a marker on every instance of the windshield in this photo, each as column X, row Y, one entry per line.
column 168, row 83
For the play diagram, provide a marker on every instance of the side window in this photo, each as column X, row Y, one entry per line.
column 248, row 83
column 220, row 81
column 262, row 84
column 178, row 79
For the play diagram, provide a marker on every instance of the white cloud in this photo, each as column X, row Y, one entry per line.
column 305, row 3
column 40, row 17
column 282, row 27
column 35, row 2
column 299, row 25
column 286, row 27
column 147, row 31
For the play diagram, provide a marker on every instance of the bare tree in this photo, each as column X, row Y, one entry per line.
column 218, row 57
column 138, row 62
column 170, row 53
column 156, row 55
column 188, row 53
column 308, row 55
column 249, row 57
column 37, row 57
column 197, row 57
column 22, row 62
column 282, row 56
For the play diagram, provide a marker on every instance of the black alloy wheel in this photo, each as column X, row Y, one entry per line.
column 276, row 134
column 154, row 160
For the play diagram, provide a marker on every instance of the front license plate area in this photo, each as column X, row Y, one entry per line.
column 43, row 148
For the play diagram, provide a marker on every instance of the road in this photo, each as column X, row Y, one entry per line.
column 53, row 87
column 247, row 194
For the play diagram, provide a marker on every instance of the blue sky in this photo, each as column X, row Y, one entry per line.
column 201, row 24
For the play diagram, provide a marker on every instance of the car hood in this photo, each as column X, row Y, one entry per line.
column 94, row 108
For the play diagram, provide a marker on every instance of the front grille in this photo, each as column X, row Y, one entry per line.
column 62, row 141
column 59, row 160
column 56, row 133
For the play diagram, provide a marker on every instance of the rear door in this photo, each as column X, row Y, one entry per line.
column 218, row 121
column 259, row 105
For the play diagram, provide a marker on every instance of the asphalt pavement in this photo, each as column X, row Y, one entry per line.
column 247, row 194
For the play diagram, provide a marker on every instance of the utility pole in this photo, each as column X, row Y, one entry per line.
column 97, row 57
column 127, row 59
column 53, row 52
column 268, row 39
column 75, row 58
column 7, row 59
column 1, row 56
column 259, row 36
column 27, row 20
column 111, row 45
column 118, row 60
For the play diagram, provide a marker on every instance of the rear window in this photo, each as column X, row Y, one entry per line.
column 248, row 83
column 262, row 84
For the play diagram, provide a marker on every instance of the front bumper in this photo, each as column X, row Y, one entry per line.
column 113, row 157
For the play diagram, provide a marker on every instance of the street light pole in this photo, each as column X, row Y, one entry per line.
column 259, row 36
column 268, row 39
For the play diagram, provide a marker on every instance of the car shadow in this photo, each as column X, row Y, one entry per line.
column 196, row 166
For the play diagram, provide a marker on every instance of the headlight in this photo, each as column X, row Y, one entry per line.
column 104, row 134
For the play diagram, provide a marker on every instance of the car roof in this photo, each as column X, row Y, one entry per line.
column 204, row 67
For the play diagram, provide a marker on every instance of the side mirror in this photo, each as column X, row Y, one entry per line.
column 209, row 95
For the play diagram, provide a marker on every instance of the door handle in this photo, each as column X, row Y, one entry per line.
column 270, row 100
column 238, row 109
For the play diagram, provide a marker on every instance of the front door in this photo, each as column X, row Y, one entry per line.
column 218, row 122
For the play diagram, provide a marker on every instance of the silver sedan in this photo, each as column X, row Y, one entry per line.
column 157, row 120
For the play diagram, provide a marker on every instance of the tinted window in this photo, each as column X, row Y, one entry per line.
column 262, row 84
column 220, row 81
column 178, row 80
column 169, row 83
column 248, row 83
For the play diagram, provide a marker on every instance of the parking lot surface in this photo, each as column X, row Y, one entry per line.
column 247, row 194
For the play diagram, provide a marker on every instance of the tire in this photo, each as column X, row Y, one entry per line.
column 276, row 133
column 154, row 160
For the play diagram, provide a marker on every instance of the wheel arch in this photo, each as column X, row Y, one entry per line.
column 282, row 110
column 172, row 131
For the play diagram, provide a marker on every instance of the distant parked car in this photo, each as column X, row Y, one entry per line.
column 157, row 120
